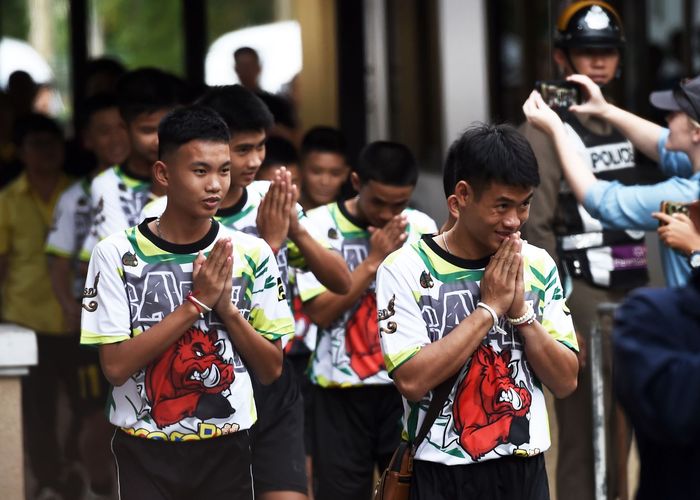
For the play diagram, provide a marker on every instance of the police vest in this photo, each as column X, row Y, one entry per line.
column 601, row 257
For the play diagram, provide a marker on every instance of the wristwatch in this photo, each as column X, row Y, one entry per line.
column 694, row 259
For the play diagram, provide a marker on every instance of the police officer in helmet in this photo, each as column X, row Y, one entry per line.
column 588, row 40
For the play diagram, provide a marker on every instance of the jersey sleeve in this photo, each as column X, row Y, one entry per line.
column 106, row 314
column 402, row 330
column 61, row 239
column 270, row 314
column 296, row 258
column 553, row 311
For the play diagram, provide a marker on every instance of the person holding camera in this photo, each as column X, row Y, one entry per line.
column 636, row 207
column 598, row 264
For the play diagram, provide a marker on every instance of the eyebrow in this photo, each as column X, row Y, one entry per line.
column 511, row 200
column 208, row 165
column 244, row 145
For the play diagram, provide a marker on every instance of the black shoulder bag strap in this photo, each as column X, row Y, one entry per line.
column 440, row 395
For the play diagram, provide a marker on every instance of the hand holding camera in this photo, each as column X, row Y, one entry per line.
column 594, row 104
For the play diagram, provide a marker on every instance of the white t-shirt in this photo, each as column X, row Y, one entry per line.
column 117, row 199
column 347, row 352
column 200, row 386
column 496, row 407
column 72, row 219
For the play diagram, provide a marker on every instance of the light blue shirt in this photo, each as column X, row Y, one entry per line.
column 618, row 206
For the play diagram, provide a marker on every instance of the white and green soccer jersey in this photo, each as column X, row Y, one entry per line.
column 496, row 407
column 347, row 352
column 243, row 217
column 117, row 199
column 71, row 223
column 199, row 387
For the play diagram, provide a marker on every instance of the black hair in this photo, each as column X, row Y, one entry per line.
column 190, row 123
column 387, row 162
column 448, row 179
column 490, row 153
column 95, row 104
column 240, row 108
column 35, row 123
column 148, row 90
column 279, row 151
column 246, row 50
column 323, row 140
column 103, row 65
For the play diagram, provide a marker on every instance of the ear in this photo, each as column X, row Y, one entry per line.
column 355, row 181
column 694, row 133
column 159, row 173
column 561, row 60
column 463, row 194
column 453, row 206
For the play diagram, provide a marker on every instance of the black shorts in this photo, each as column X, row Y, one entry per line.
column 148, row 469
column 279, row 461
column 356, row 429
column 300, row 363
column 508, row 478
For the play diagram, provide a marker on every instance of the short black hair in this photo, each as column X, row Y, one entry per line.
column 103, row 65
column 490, row 153
column 246, row 50
column 279, row 151
column 240, row 108
column 95, row 104
column 190, row 123
column 323, row 140
column 148, row 90
column 35, row 123
column 387, row 162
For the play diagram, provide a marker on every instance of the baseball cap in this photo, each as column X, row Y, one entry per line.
column 685, row 97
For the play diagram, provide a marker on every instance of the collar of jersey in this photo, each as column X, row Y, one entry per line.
column 445, row 266
column 235, row 211
column 150, row 248
column 129, row 179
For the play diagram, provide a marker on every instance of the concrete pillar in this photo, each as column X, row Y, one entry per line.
column 18, row 351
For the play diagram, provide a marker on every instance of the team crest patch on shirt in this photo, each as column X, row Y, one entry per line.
column 386, row 314
column 426, row 281
column 333, row 233
column 89, row 293
column 129, row 259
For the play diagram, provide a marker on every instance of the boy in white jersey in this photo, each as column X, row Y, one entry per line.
column 183, row 309
column 501, row 302
column 104, row 134
column 119, row 193
column 266, row 210
column 356, row 407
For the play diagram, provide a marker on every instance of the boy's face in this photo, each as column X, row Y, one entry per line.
column 323, row 174
column 487, row 220
column 42, row 152
column 378, row 203
column 196, row 176
column 105, row 135
column 143, row 135
column 599, row 64
column 247, row 154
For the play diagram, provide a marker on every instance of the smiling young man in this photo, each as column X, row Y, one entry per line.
column 183, row 309
column 479, row 303
column 356, row 407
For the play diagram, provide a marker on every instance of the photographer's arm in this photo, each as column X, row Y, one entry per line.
column 643, row 134
column 577, row 174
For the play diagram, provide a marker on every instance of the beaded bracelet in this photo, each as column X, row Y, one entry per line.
column 525, row 319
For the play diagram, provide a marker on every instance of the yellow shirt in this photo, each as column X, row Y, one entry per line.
column 27, row 296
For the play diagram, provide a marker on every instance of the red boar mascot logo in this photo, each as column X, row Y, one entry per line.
column 362, row 339
column 490, row 409
column 187, row 380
